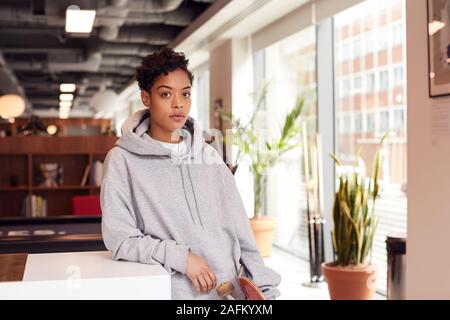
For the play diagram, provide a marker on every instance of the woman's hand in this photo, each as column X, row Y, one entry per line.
column 200, row 273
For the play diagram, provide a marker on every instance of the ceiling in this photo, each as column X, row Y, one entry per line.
column 36, row 55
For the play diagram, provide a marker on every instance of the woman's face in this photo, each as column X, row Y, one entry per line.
column 169, row 100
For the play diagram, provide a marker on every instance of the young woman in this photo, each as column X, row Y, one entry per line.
column 168, row 198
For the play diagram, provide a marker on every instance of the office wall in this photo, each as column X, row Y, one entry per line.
column 220, row 76
column 428, row 256
column 231, row 79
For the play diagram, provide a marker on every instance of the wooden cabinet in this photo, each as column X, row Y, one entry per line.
column 20, row 156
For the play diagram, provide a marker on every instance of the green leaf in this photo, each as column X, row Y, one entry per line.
column 336, row 160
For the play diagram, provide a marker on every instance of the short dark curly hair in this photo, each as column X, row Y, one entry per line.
column 161, row 62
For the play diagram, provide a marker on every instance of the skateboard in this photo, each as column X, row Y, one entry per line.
column 252, row 292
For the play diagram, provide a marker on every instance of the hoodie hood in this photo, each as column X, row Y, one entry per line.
column 136, row 140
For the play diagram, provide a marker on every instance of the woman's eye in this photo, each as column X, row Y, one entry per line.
column 187, row 94
column 165, row 94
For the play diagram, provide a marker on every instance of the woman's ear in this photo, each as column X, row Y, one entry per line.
column 145, row 97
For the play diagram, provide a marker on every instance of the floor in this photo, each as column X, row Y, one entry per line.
column 295, row 276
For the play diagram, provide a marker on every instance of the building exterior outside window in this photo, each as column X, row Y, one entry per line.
column 379, row 106
column 290, row 68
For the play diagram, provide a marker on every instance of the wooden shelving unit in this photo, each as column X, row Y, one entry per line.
column 19, row 157
column 65, row 126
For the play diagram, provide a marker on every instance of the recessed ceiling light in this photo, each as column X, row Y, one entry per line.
column 79, row 21
column 64, row 111
column 65, row 104
column 67, row 87
column 66, row 97
column 63, row 115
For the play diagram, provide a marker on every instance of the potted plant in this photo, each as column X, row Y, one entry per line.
column 351, row 276
column 262, row 153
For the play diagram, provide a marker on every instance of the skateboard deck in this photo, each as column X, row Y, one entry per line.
column 251, row 290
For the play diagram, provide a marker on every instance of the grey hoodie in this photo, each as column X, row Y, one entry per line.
column 157, row 206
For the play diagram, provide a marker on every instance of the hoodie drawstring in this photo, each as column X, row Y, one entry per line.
column 195, row 198
column 193, row 191
column 185, row 195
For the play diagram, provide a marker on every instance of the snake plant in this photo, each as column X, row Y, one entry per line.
column 354, row 219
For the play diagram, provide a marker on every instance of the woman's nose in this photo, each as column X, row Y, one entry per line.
column 176, row 103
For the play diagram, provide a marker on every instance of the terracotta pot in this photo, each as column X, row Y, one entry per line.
column 263, row 229
column 350, row 282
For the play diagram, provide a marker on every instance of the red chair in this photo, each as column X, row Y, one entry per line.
column 86, row 206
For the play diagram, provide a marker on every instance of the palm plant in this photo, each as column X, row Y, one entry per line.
column 354, row 216
column 262, row 152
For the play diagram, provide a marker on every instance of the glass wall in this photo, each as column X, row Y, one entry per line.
column 370, row 100
column 200, row 97
column 289, row 66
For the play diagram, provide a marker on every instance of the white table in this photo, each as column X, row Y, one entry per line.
column 87, row 275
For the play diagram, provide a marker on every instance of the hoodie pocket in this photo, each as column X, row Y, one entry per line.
column 206, row 200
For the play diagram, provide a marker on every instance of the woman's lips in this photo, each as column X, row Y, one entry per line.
column 177, row 118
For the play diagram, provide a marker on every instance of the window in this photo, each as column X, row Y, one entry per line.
column 259, row 68
column 398, row 34
column 344, row 124
column 370, row 82
column 371, row 122
column 346, row 51
column 398, row 76
column 384, row 80
column 384, row 121
column 200, row 97
column 357, row 84
column 340, row 124
column 348, row 127
column 358, row 122
column 357, row 47
column 369, row 40
column 346, row 87
column 383, row 38
column 290, row 68
column 399, row 120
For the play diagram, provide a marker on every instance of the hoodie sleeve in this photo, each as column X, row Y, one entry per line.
column 264, row 277
column 125, row 240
